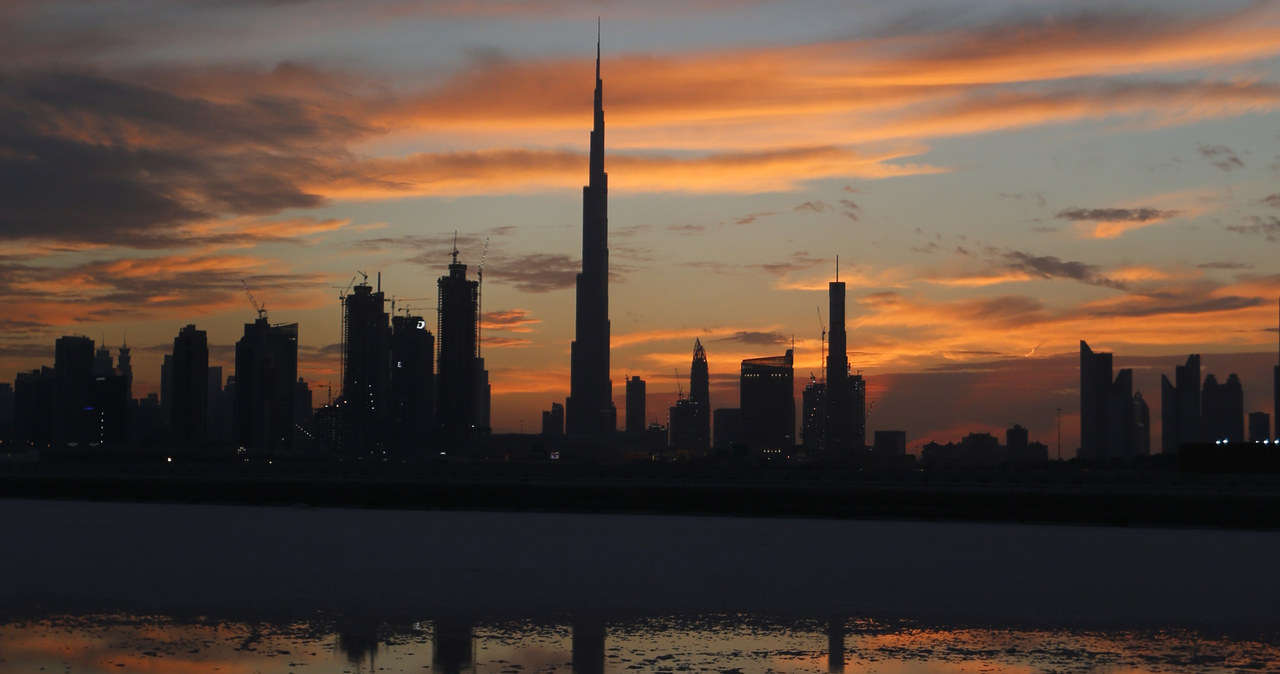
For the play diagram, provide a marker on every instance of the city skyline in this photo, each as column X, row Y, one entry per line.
column 1105, row 174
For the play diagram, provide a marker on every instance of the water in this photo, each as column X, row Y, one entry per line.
column 89, row 588
column 717, row 643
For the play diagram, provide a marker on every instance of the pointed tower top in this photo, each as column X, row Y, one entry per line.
column 455, row 246
column 597, row 47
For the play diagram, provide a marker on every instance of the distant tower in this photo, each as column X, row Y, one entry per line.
column 1233, row 409
column 188, row 414
column 814, row 417
column 1095, row 383
column 1212, row 419
column 102, row 362
column 1275, row 391
column 365, row 370
column 1186, row 380
column 700, row 396
column 266, row 386
column 589, row 410
column 839, row 431
column 73, row 363
column 635, row 406
column 457, row 412
column 768, row 402
column 412, row 383
column 124, row 365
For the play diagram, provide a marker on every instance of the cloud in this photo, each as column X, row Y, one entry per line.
column 1220, row 156
column 510, row 320
column 538, row 272
column 1267, row 227
column 1112, row 222
column 849, row 209
column 1272, row 200
column 756, row 338
column 750, row 218
column 816, row 206
column 85, row 157
column 1050, row 267
column 1224, row 265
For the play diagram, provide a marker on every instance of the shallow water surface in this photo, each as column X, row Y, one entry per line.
column 709, row 643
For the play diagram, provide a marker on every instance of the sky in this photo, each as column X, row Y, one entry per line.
column 999, row 179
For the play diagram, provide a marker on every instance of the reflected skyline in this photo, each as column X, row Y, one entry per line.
column 132, row 644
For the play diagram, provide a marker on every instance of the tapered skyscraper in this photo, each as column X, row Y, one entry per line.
column 589, row 410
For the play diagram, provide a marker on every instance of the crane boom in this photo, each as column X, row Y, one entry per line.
column 260, row 308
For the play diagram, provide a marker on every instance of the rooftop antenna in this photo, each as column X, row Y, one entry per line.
column 597, row 47
column 455, row 246
column 679, row 389
column 837, row 268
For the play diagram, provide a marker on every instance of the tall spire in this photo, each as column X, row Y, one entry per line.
column 589, row 409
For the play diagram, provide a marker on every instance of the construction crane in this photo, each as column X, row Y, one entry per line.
column 364, row 278
column 260, row 308
column 679, row 389
column 404, row 299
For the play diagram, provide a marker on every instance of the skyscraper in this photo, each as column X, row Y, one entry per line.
column 768, row 403
column 188, row 414
column 266, row 374
column 700, row 397
column 635, row 406
column 412, row 383
column 73, row 372
column 838, row 444
column 365, row 370
column 1095, row 380
column 815, row 415
column 457, row 409
column 589, row 410
column 124, row 365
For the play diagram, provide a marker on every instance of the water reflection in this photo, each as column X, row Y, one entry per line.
column 590, row 645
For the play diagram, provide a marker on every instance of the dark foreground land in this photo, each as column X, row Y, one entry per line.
column 1050, row 493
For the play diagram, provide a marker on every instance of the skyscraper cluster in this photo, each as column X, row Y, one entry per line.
column 1114, row 421
column 1192, row 412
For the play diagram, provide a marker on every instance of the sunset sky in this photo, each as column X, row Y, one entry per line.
column 1000, row 179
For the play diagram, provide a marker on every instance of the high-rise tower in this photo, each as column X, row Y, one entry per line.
column 589, row 410
column 700, row 394
column 457, row 411
column 839, row 429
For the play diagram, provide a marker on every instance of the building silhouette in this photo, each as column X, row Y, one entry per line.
column 34, row 395
column 728, row 427
column 265, row 386
column 1109, row 425
column 635, row 406
column 813, row 417
column 124, row 365
column 413, row 384
column 1259, row 427
column 188, row 413
column 73, row 371
column 1180, row 406
column 768, row 402
column 589, row 409
column 1222, row 409
column 838, row 443
column 459, row 415
column 365, row 371
column 700, row 397
column 553, row 422
column 1141, row 426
